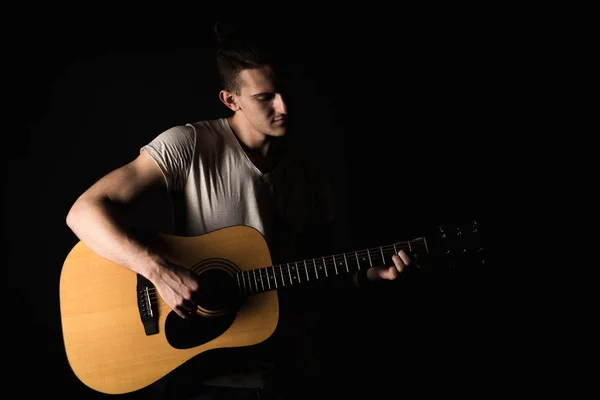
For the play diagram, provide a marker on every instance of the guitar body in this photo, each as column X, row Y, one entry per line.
column 120, row 336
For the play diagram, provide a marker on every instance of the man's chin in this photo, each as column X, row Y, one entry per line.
column 279, row 131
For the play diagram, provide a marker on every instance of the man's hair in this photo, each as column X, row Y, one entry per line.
column 239, row 48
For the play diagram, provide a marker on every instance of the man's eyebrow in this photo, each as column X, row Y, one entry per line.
column 261, row 94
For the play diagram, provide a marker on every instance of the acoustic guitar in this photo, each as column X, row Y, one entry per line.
column 120, row 336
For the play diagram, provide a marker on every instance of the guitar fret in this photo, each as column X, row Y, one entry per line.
column 370, row 261
column 335, row 266
column 274, row 276
column 346, row 261
column 238, row 281
column 306, row 270
column 281, row 269
column 261, row 280
column 316, row 269
column 325, row 266
column 290, row 274
column 244, row 280
column 297, row 272
column 409, row 248
column 382, row 256
column 268, row 279
column 255, row 281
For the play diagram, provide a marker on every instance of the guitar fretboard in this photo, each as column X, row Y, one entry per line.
column 273, row 277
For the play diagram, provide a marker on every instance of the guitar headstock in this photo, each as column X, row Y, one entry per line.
column 456, row 244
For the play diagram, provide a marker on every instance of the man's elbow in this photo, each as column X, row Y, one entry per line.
column 77, row 212
column 73, row 215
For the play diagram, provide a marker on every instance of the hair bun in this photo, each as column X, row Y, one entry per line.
column 226, row 31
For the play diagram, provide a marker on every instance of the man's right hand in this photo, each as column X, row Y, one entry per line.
column 178, row 287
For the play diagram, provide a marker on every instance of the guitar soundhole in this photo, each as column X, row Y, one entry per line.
column 218, row 292
column 218, row 300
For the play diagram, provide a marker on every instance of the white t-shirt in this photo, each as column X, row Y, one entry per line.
column 213, row 184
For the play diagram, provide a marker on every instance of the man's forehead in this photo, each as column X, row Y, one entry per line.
column 258, row 80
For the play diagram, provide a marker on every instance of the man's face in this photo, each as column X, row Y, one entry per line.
column 261, row 102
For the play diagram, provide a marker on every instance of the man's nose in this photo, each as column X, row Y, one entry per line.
column 280, row 106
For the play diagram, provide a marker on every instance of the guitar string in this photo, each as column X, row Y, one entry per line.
column 287, row 270
column 330, row 262
column 284, row 269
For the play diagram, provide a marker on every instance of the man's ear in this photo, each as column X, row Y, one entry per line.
column 228, row 98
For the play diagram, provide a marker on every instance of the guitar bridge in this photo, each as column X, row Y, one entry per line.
column 147, row 305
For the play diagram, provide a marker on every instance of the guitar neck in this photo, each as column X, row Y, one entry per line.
column 274, row 277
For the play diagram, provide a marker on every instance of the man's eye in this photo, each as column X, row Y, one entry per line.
column 266, row 97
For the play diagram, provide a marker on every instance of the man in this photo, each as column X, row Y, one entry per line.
column 236, row 170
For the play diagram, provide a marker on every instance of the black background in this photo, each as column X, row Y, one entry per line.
column 405, row 113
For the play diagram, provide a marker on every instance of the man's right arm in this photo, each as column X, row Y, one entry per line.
column 95, row 221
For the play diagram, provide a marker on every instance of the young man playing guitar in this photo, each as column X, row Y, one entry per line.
column 231, row 171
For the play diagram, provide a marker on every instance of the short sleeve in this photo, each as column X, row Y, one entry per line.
column 173, row 151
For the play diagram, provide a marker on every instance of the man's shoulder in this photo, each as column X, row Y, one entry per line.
column 200, row 134
column 208, row 126
column 209, row 132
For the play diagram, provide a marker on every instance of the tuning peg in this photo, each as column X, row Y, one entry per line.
column 442, row 233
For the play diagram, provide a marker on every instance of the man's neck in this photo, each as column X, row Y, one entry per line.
column 251, row 140
column 263, row 150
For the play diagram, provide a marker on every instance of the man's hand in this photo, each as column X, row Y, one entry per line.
column 402, row 261
column 178, row 287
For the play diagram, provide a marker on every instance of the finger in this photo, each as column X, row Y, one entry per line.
column 406, row 259
column 191, row 306
column 183, row 313
column 387, row 273
column 398, row 263
column 392, row 273
column 186, row 309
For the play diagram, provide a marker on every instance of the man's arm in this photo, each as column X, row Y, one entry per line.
column 96, row 222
